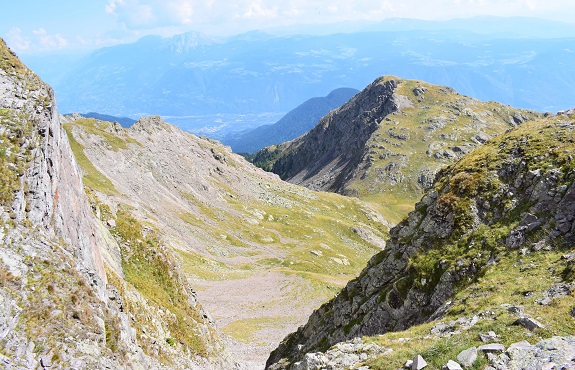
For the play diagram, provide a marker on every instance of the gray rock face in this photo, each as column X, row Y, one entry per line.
column 55, row 310
column 53, row 195
column 553, row 353
column 389, row 295
column 339, row 139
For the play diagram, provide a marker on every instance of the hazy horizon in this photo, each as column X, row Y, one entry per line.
column 64, row 26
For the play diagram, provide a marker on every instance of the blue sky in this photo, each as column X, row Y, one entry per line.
column 37, row 26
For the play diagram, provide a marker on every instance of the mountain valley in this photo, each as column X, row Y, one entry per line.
column 415, row 221
column 231, row 225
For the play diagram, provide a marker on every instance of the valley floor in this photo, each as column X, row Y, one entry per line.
column 258, row 311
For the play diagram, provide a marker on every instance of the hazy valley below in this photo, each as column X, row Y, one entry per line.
column 220, row 86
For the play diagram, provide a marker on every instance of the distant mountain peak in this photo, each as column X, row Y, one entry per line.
column 185, row 42
column 295, row 123
column 390, row 138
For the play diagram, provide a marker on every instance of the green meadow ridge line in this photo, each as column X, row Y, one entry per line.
column 388, row 141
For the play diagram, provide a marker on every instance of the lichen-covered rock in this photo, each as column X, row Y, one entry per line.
column 467, row 357
column 346, row 355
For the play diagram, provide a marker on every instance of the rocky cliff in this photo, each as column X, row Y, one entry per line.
column 58, row 305
column 511, row 200
column 389, row 140
column 47, row 187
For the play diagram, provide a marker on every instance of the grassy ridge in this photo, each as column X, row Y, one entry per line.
column 486, row 215
column 495, row 183
column 434, row 127
column 92, row 178
column 151, row 271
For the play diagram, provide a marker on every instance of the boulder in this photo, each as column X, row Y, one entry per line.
column 452, row 365
column 418, row 363
column 467, row 357
column 529, row 323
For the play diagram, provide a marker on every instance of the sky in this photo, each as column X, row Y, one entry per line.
column 38, row 26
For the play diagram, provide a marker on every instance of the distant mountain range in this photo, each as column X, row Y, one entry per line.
column 123, row 121
column 194, row 75
column 295, row 123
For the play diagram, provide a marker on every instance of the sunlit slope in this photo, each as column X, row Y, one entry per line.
column 234, row 226
column 495, row 230
column 387, row 143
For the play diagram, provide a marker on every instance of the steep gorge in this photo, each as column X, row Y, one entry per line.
column 232, row 226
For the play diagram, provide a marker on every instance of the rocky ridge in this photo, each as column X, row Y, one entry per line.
column 60, row 308
column 231, row 225
column 514, row 193
column 389, row 140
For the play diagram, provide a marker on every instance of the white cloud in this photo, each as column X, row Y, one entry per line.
column 147, row 14
column 49, row 42
column 225, row 16
column 38, row 40
column 258, row 10
column 121, row 21
column 137, row 18
column 17, row 41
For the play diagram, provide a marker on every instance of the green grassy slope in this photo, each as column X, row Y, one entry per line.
column 386, row 144
column 227, row 221
column 496, row 228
